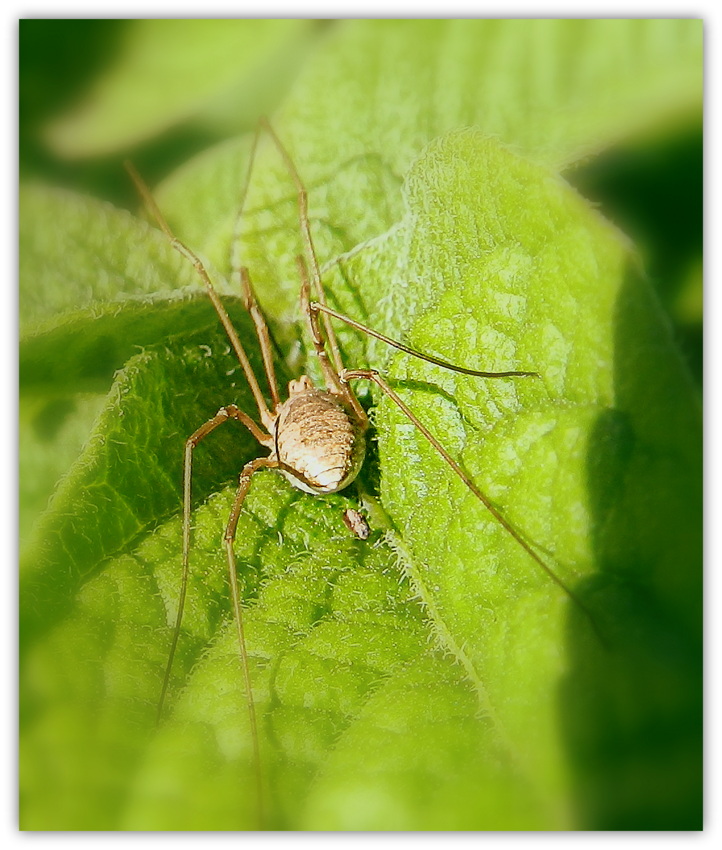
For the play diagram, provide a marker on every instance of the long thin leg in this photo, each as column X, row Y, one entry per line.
column 308, row 241
column 244, row 483
column 241, row 278
column 150, row 203
column 236, row 237
column 372, row 375
column 333, row 381
column 315, row 307
column 223, row 415
column 259, row 320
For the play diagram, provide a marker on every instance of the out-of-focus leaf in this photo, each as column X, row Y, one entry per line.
column 689, row 304
column 169, row 71
column 52, row 432
column 555, row 90
column 96, row 284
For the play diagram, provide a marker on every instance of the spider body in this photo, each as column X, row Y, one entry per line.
column 319, row 441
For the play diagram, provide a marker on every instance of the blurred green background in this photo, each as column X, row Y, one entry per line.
column 93, row 93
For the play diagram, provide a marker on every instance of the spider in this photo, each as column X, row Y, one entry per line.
column 316, row 437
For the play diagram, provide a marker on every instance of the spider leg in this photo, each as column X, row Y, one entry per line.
column 144, row 192
column 333, row 380
column 259, row 320
column 247, row 473
column 316, row 281
column 223, row 415
column 373, row 375
column 241, row 278
column 316, row 307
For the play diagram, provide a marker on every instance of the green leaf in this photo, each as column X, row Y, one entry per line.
column 555, row 91
column 111, row 286
column 434, row 677
column 129, row 476
column 420, row 757
column 599, row 467
column 170, row 71
column 52, row 431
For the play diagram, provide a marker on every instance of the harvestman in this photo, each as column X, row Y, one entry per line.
column 317, row 437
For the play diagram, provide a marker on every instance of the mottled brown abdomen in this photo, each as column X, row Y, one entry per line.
column 317, row 438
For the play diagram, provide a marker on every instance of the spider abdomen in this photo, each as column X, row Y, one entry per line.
column 319, row 443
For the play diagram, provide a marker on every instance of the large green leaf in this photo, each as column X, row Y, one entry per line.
column 609, row 488
column 434, row 677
